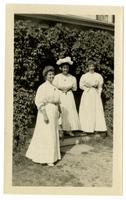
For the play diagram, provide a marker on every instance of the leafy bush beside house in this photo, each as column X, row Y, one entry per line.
column 35, row 47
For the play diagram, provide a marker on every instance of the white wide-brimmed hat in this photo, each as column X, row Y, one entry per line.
column 65, row 60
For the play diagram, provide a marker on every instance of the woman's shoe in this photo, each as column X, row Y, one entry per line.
column 71, row 134
column 68, row 133
column 50, row 164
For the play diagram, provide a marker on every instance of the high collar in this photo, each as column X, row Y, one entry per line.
column 66, row 75
column 48, row 82
column 91, row 73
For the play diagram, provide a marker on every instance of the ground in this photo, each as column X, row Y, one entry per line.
column 92, row 168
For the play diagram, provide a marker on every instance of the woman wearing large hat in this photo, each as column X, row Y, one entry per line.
column 66, row 83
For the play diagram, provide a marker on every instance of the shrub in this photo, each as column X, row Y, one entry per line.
column 35, row 47
column 23, row 111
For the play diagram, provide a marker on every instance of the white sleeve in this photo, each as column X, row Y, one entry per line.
column 74, row 88
column 40, row 100
column 100, row 84
column 55, row 82
column 82, row 84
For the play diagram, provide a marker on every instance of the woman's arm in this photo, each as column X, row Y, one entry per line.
column 39, row 98
column 74, row 86
column 100, row 84
column 40, row 102
column 84, row 85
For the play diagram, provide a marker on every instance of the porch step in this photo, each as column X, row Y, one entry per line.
column 78, row 138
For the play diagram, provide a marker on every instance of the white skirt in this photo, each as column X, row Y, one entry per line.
column 91, row 112
column 45, row 145
column 70, row 118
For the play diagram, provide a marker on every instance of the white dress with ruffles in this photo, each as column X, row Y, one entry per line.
column 45, row 146
column 70, row 118
column 91, row 111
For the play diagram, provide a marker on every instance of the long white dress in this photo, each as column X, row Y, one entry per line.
column 44, row 146
column 70, row 118
column 91, row 111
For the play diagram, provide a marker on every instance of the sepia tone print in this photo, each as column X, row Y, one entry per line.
column 64, row 80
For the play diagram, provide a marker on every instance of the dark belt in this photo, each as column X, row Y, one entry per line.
column 65, row 92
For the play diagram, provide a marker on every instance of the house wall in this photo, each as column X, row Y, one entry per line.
column 102, row 22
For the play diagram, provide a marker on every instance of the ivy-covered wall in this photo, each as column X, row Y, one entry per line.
column 35, row 47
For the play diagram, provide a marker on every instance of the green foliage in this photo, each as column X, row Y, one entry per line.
column 35, row 47
column 23, row 112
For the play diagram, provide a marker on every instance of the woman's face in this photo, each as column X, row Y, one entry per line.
column 91, row 67
column 50, row 76
column 65, row 69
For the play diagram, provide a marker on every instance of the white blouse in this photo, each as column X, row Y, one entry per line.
column 94, row 79
column 65, row 82
column 46, row 93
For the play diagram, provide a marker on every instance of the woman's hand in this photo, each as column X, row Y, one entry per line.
column 87, row 84
column 66, row 90
column 91, row 85
column 95, row 86
column 46, row 119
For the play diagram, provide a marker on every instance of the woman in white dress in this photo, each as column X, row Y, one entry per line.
column 91, row 111
column 44, row 146
column 66, row 83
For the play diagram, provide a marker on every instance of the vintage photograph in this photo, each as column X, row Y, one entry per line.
column 63, row 98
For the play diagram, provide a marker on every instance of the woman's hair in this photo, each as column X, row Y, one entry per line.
column 91, row 62
column 47, row 69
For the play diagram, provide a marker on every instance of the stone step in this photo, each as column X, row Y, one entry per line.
column 67, row 141
column 78, row 138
